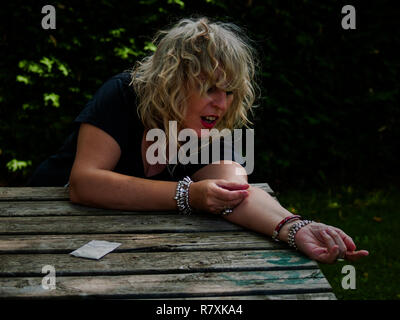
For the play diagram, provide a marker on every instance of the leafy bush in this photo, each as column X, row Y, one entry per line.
column 329, row 102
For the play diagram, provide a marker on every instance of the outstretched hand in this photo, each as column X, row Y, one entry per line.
column 326, row 244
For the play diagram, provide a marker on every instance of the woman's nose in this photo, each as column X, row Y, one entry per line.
column 220, row 99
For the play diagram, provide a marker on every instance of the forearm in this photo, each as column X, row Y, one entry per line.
column 111, row 190
column 261, row 213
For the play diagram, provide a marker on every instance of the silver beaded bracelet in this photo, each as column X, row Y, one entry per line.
column 293, row 230
column 182, row 196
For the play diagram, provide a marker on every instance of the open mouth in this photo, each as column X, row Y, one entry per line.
column 209, row 121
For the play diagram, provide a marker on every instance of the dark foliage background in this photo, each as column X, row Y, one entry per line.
column 329, row 106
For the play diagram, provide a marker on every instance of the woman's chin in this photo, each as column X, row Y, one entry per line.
column 203, row 133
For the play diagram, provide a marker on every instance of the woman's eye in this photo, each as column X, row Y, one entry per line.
column 228, row 93
column 211, row 89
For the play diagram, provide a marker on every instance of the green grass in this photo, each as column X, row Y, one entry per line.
column 372, row 219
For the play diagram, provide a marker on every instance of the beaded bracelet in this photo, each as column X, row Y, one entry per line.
column 281, row 224
column 293, row 230
column 182, row 196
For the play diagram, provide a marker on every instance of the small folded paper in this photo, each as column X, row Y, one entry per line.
column 95, row 249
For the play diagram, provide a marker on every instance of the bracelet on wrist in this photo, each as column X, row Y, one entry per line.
column 182, row 196
column 278, row 228
column 294, row 229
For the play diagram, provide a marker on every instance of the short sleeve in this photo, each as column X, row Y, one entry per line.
column 110, row 109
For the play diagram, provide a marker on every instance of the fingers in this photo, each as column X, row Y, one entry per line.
column 217, row 198
column 330, row 243
column 338, row 241
column 326, row 255
column 231, row 186
column 226, row 195
column 348, row 241
column 355, row 255
column 332, row 248
column 351, row 254
column 338, row 245
column 327, row 239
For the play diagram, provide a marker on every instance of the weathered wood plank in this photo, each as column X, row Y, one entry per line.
column 60, row 193
column 170, row 285
column 115, row 224
column 33, row 193
column 140, row 242
column 154, row 262
column 59, row 208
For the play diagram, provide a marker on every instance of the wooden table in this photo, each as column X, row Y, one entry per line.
column 163, row 255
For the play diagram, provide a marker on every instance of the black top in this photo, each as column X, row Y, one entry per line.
column 113, row 110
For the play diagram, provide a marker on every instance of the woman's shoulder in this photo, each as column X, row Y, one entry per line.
column 115, row 95
column 125, row 77
column 113, row 108
column 118, row 83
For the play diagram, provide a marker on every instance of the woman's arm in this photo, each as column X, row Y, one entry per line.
column 93, row 183
column 259, row 211
column 262, row 213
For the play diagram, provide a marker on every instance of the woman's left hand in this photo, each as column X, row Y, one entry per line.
column 326, row 244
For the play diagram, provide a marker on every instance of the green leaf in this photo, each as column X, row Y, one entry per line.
column 23, row 79
column 125, row 52
column 27, row 106
column 180, row 3
column 150, row 46
column 63, row 69
column 53, row 98
column 35, row 68
column 22, row 64
column 117, row 32
column 48, row 63
column 15, row 165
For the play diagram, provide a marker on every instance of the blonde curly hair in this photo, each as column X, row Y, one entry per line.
column 191, row 48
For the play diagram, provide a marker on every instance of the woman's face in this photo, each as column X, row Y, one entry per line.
column 205, row 111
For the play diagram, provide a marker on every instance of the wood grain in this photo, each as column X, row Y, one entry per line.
column 198, row 241
column 154, row 262
column 114, row 224
column 170, row 285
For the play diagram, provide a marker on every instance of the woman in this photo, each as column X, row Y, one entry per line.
column 202, row 77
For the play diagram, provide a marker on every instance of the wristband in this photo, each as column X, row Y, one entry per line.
column 281, row 224
column 293, row 230
column 182, row 196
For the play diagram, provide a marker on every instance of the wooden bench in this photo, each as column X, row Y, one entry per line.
column 163, row 255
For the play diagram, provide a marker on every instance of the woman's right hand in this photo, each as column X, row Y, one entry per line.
column 214, row 195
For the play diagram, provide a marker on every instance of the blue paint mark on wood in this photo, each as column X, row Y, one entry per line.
column 250, row 279
column 282, row 258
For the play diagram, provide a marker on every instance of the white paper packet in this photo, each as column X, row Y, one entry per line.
column 95, row 249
